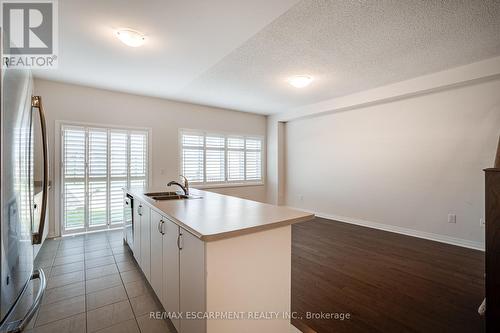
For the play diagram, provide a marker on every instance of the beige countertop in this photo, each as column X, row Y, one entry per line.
column 217, row 216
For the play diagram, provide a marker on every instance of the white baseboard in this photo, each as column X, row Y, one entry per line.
column 401, row 230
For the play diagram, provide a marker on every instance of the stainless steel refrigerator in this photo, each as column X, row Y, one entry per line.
column 22, row 129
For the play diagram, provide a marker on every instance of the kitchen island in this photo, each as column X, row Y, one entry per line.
column 217, row 263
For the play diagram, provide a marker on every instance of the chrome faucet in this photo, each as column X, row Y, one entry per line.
column 184, row 187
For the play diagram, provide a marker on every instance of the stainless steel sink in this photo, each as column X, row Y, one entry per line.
column 159, row 196
column 170, row 197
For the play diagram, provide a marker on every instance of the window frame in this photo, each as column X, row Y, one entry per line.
column 59, row 174
column 226, row 135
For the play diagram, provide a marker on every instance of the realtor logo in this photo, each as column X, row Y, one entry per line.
column 29, row 34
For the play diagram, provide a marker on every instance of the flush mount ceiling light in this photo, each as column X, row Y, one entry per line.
column 300, row 81
column 131, row 37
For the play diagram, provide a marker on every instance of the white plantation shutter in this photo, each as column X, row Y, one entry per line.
column 236, row 143
column 97, row 176
column 253, row 159
column 253, row 144
column 215, row 165
column 193, row 157
column 118, row 147
column 193, row 160
column 138, row 155
column 192, row 140
column 116, row 201
column 216, row 158
column 235, row 165
column 74, row 161
column 74, row 152
column 138, row 159
column 74, row 205
column 97, row 163
column 236, row 159
column 98, row 153
column 118, row 174
column 97, row 203
column 138, row 183
column 253, row 165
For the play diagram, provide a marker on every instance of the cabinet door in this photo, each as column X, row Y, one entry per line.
column 136, row 245
column 192, row 281
column 146, row 242
column 170, row 297
column 157, row 227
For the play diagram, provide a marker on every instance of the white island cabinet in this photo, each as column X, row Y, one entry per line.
column 165, row 267
column 156, row 279
column 220, row 263
column 145, row 262
column 192, row 278
column 141, row 247
column 177, row 269
column 136, row 245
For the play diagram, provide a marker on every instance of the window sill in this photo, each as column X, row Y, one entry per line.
column 225, row 185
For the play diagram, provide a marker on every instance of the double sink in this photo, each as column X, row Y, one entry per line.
column 159, row 196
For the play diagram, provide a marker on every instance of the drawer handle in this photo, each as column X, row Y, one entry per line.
column 161, row 227
column 179, row 242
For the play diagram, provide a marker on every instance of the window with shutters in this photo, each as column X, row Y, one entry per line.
column 210, row 158
column 96, row 163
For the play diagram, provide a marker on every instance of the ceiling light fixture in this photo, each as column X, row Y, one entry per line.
column 131, row 37
column 300, row 81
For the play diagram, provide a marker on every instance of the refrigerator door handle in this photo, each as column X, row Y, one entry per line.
column 20, row 325
column 36, row 237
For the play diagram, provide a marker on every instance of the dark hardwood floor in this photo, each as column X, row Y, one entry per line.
column 387, row 282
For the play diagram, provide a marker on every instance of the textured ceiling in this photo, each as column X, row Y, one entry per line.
column 243, row 61
column 348, row 46
column 184, row 39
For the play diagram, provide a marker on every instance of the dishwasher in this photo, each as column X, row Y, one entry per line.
column 128, row 220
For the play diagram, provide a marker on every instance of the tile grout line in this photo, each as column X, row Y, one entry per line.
column 63, row 318
column 47, row 279
column 85, row 279
column 148, row 287
column 53, row 321
column 128, row 299
column 85, row 285
column 57, row 251
column 85, row 295
column 126, row 292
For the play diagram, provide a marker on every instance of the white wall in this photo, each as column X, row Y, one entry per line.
column 404, row 164
column 275, row 161
column 164, row 117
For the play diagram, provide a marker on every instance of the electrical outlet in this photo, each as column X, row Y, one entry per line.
column 301, row 197
column 481, row 222
column 452, row 218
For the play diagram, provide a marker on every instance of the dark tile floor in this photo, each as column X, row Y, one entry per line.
column 94, row 285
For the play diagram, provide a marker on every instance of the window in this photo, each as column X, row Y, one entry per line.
column 208, row 158
column 96, row 164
